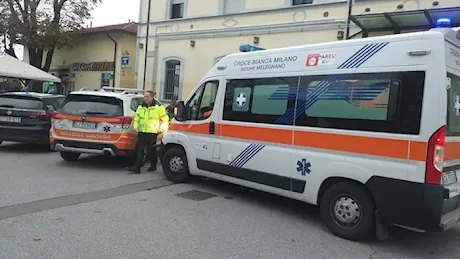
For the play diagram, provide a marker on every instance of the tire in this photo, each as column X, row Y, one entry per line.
column 70, row 156
column 356, row 208
column 175, row 165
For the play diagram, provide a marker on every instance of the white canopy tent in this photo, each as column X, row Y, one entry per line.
column 11, row 67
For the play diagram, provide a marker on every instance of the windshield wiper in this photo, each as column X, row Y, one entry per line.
column 95, row 113
column 10, row 106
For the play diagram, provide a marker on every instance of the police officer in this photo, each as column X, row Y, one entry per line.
column 149, row 121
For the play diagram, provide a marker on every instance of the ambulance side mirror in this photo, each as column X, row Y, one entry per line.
column 180, row 113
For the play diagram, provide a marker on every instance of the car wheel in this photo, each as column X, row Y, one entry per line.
column 348, row 211
column 70, row 156
column 175, row 166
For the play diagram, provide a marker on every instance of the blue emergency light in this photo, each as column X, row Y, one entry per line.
column 443, row 22
column 248, row 48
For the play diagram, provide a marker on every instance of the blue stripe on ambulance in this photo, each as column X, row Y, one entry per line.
column 246, row 155
column 325, row 86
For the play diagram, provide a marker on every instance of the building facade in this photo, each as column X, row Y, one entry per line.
column 185, row 38
column 99, row 57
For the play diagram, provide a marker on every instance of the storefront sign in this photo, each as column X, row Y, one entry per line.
column 92, row 66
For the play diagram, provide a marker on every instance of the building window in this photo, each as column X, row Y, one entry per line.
column 388, row 102
column 302, row 2
column 232, row 6
column 172, row 80
column 177, row 9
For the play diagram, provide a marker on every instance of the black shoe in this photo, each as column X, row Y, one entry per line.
column 152, row 168
column 133, row 170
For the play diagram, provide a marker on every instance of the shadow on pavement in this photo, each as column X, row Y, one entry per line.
column 96, row 162
column 23, row 148
column 266, row 200
column 400, row 243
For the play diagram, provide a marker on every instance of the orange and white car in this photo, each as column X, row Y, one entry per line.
column 96, row 121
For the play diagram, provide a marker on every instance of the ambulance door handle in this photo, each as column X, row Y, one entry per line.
column 212, row 127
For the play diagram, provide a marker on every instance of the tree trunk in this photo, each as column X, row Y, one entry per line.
column 35, row 56
column 10, row 51
column 49, row 58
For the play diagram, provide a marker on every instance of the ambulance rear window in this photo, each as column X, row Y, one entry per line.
column 92, row 106
column 453, row 106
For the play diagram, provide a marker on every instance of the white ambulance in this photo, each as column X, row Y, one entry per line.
column 368, row 129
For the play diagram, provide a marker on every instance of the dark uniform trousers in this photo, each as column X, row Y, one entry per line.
column 146, row 140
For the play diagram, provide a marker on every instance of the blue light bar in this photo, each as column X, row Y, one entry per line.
column 443, row 21
column 248, row 48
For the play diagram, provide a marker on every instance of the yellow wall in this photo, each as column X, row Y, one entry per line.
column 199, row 59
column 97, row 48
column 275, row 22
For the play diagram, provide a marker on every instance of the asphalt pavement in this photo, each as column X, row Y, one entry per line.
column 93, row 208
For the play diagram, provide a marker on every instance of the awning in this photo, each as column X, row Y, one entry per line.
column 11, row 67
column 406, row 20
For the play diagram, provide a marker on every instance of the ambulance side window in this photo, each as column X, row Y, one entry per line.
column 388, row 102
column 262, row 100
column 201, row 105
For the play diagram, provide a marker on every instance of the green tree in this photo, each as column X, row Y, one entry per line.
column 43, row 25
column 4, row 36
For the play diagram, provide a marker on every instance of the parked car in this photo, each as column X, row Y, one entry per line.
column 97, row 121
column 26, row 117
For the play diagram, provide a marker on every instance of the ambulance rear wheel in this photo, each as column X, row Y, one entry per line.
column 348, row 211
column 70, row 156
column 175, row 166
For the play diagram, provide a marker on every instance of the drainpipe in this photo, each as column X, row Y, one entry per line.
column 114, row 58
column 350, row 7
column 146, row 44
column 136, row 66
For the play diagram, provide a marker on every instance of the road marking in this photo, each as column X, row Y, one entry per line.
column 70, row 200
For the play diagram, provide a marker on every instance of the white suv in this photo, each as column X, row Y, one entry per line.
column 97, row 121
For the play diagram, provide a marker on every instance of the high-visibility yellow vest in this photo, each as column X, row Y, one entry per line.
column 149, row 119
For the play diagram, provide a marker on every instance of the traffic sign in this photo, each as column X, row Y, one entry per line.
column 125, row 62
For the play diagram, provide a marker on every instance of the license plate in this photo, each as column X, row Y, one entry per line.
column 84, row 125
column 449, row 178
column 10, row 119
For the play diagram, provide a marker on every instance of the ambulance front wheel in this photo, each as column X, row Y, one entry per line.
column 348, row 211
column 70, row 156
column 175, row 166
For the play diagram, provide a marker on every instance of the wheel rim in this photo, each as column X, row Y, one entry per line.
column 176, row 165
column 346, row 211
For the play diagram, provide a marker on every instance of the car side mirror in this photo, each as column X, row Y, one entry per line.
column 180, row 113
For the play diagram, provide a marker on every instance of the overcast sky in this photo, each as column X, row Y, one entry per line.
column 115, row 11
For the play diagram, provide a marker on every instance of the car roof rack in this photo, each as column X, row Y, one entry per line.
column 124, row 90
column 89, row 89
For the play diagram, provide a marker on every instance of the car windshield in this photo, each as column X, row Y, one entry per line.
column 92, row 105
column 23, row 102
